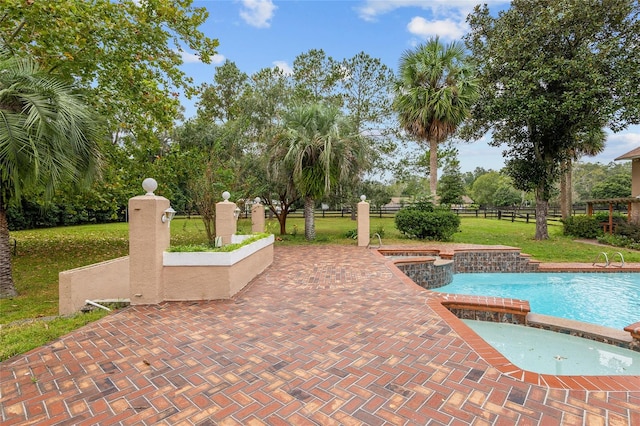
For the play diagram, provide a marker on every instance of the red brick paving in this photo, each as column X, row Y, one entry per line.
column 325, row 336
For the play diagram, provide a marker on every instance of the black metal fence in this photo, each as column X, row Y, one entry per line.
column 526, row 215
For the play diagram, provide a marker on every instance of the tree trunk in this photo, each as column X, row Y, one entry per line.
column 563, row 191
column 542, row 208
column 433, row 168
column 282, row 219
column 7, row 287
column 309, row 223
column 566, row 189
column 569, row 188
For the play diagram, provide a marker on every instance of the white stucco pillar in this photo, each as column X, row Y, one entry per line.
column 257, row 217
column 226, row 222
column 149, row 237
column 363, row 222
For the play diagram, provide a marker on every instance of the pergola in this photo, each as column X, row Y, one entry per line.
column 629, row 201
column 633, row 202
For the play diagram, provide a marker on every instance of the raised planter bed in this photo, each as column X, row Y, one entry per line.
column 214, row 275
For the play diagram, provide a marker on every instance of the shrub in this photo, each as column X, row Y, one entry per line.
column 352, row 234
column 194, row 248
column 435, row 224
column 379, row 230
column 582, row 226
column 617, row 218
column 628, row 230
column 619, row 241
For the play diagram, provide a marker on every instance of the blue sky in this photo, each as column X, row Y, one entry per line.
column 265, row 33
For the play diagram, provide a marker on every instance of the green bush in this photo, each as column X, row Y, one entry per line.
column 617, row 218
column 352, row 234
column 196, row 248
column 425, row 222
column 31, row 215
column 379, row 230
column 582, row 226
column 628, row 230
column 619, row 241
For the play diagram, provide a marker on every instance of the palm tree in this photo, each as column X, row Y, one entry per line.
column 590, row 144
column 322, row 149
column 434, row 91
column 47, row 136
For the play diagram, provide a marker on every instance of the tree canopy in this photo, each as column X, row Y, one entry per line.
column 126, row 54
column 552, row 71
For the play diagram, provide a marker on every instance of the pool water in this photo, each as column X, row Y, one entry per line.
column 608, row 299
column 547, row 352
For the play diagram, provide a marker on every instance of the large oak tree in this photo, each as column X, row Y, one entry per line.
column 125, row 53
column 552, row 70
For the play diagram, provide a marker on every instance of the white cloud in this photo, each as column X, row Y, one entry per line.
column 217, row 59
column 630, row 140
column 284, row 67
column 371, row 9
column 258, row 13
column 189, row 58
column 447, row 29
column 621, row 143
column 192, row 58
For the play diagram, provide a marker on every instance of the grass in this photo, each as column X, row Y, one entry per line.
column 21, row 337
column 43, row 253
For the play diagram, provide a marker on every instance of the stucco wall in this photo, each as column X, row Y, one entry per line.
column 111, row 280
column 105, row 280
column 213, row 282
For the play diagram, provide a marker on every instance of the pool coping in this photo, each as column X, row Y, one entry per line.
column 495, row 359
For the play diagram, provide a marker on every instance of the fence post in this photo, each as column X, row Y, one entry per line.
column 363, row 222
column 527, row 217
column 257, row 216
column 499, row 214
column 226, row 219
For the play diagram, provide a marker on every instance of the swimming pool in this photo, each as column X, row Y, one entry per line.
column 608, row 299
column 547, row 352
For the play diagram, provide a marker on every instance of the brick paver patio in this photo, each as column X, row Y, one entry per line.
column 325, row 336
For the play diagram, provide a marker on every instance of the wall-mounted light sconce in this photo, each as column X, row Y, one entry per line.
column 236, row 213
column 167, row 215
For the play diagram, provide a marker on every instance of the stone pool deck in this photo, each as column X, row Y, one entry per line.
column 328, row 335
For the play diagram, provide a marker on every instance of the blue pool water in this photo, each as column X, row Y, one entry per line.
column 547, row 352
column 608, row 299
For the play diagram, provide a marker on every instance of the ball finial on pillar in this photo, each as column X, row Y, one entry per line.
column 363, row 197
column 149, row 185
column 226, row 195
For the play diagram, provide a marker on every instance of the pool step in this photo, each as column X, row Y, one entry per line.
column 581, row 329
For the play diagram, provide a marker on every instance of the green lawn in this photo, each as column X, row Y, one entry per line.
column 43, row 253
